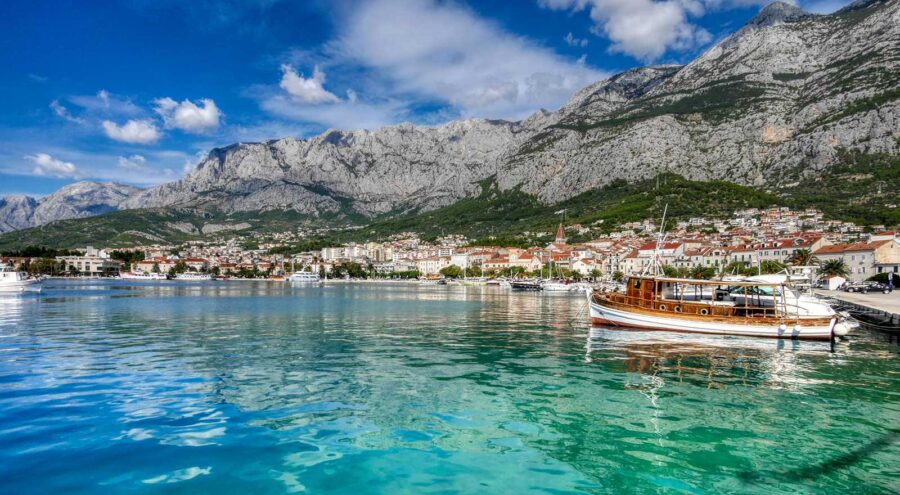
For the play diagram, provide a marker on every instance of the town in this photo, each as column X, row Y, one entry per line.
column 751, row 241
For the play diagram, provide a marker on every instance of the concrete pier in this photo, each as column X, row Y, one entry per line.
column 878, row 305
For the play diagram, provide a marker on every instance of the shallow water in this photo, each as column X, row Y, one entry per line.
column 258, row 388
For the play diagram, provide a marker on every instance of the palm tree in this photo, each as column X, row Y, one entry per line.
column 834, row 268
column 770, row 266
column 803, row 257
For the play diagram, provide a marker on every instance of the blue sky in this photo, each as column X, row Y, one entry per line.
column 137, row 91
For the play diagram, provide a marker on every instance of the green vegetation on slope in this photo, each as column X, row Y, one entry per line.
column 862, row 188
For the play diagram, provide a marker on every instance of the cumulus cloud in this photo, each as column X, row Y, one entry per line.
column 64, row 112
column 134, row 131
column 46, row 165
column 133, row 162
column 306, row 90
column 644, row 29
column 444, row 51
column 571, row 40
column 187, row 115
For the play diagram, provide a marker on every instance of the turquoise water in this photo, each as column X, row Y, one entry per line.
column 257, row 388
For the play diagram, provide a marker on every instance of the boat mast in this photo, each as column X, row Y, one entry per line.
column 655, row 264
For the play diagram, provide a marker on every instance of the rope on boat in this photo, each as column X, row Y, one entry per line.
column 578, row 314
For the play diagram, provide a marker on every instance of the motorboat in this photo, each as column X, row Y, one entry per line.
column 142, row 276
column 761, row 306
column 556, row 286
column 304, row 278
column 14, row 281
column 193, row 276
column 525, row 285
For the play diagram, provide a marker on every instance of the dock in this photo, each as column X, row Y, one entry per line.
column 876, row 309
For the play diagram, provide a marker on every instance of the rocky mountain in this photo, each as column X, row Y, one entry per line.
column 772, row 104
column 78, row 200
column 774, row 100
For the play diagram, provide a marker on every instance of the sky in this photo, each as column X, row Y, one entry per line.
column 138, row 91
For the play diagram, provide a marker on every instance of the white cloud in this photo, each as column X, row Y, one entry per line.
column 64, row 113
column 306, row 90
column 45, row 164
column 105, row 103
column 134, row 131
column 571, row 40
column 187, row 115
column 133, row 162
column 644, row 29
column 444, row 51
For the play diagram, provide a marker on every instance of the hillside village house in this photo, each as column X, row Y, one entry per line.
column 864, row 259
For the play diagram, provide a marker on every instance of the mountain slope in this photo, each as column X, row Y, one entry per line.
column 787, row 90
column 78, row 200
column 772, row 104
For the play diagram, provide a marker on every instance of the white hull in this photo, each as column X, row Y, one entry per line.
column 193, row 278
column 607, row 316
column 139, row 276
column 306, row 278
column 556, row 287
column 30, row 285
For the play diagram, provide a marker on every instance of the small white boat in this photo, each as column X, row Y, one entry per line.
column 13, row 281
column 304, row 278
column 193, row 276
column 142, row 276
column 555, row 286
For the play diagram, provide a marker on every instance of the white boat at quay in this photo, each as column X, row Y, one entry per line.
column 304, row 278
column 142, row 276
column 193, row 277
column 762, row 306
column 13, row 281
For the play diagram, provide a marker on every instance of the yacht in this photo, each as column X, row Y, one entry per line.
column 304, row 278
column 193, row 276
column 13, row 281
column 142, row 276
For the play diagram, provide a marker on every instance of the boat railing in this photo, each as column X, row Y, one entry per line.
column 679, row 306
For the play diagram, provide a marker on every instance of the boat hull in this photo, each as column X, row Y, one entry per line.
column 30, row 285
column 603, row 315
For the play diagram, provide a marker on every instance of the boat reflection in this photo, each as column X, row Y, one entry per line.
column 716, row 360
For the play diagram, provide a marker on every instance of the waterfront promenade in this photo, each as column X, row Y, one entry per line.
column 885, row 305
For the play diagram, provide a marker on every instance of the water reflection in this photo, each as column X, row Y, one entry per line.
column 717, row 360
column 395, row 387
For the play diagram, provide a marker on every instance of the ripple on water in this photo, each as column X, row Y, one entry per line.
column 236, row 388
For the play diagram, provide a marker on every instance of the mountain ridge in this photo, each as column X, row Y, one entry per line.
column 776, row 99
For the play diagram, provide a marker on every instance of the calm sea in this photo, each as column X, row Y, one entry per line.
column 109, row 387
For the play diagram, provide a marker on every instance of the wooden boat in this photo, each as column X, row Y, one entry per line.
column 763, row 306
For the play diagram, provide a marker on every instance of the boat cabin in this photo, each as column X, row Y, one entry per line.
column 766, row 298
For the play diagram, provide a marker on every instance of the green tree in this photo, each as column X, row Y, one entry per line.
column 737, row 268
column 596, row 274
column 703, row 272
column 770, row 266
column 451, row 271
column 618, row 275
column 834, row 268
column 670, row 271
